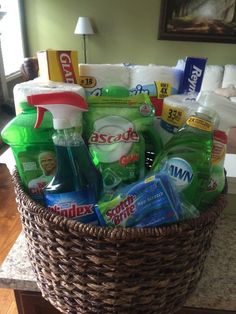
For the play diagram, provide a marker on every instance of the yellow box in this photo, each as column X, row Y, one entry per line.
column 59, row 65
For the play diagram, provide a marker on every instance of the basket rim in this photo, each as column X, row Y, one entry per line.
column 204, row 219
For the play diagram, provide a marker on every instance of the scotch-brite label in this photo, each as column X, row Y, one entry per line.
column 72, row 205
column 121, row 211
column 199, row 123
column 172, row 118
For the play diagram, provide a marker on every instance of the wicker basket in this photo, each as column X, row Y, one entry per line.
column 87, row 269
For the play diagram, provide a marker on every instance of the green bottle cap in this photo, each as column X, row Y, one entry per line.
column 24, row 106
column 115, row 91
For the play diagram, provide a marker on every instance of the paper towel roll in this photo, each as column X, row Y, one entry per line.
column 229, row 77
column 93, row 77
column 212, row 78
column 143, row 78
column 37, row 86
column 176, row 109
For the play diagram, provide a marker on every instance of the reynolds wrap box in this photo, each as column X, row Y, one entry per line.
column 193, row 76
column 59, row 66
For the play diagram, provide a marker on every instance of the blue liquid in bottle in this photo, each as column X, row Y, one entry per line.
column 77, row 184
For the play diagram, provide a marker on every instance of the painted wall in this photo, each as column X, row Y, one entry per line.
column 126, row 31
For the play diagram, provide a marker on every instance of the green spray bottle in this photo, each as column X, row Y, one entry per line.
column 187, row 156
column 33, row 149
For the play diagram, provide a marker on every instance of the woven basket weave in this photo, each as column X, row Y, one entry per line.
column 87, row 269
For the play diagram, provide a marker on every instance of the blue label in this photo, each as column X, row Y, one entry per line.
column 149, row 202
column 180, row 172
column 72, row 205
column 193, row 75
column 149, row 89
column 168, row 127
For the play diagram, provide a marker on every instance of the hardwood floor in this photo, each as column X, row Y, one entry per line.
column 10, row 228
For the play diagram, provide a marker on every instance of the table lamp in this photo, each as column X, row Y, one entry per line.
column 84, row 27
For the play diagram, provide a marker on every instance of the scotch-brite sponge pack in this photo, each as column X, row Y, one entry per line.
column 93, row 77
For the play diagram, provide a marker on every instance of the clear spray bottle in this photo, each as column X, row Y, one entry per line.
column 77, row 185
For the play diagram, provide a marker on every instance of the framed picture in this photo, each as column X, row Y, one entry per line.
column 198, row 20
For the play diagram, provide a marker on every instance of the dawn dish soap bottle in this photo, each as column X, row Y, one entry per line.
column 187, row 156
column 77, row 184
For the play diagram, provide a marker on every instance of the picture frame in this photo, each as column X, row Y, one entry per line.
column 198, row 20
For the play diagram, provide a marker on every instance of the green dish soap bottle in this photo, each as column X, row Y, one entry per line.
column 187, row 156
column 33, row 149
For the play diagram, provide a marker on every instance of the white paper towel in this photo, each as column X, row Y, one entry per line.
column 229, row 77
column 93, row 77
column 143, row 78
column 212, row 78
column 38, row 86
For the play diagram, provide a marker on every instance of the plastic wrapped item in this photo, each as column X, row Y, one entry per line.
column 148, row 203
column 119, row 130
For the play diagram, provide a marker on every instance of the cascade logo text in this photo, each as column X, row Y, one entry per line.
column 103, row 138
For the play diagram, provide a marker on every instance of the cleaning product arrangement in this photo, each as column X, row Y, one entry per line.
column 93, row 167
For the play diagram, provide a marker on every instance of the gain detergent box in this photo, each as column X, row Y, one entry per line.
column 117, row 130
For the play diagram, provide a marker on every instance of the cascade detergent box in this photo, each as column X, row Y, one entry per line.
column 59, row 65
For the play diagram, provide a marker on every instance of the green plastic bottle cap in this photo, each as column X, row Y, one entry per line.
column 24, row 106
column 115, row 91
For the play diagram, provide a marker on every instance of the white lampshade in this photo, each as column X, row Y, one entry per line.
column 83, row 26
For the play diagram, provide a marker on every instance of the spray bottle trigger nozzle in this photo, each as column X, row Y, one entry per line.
column 40, row 114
